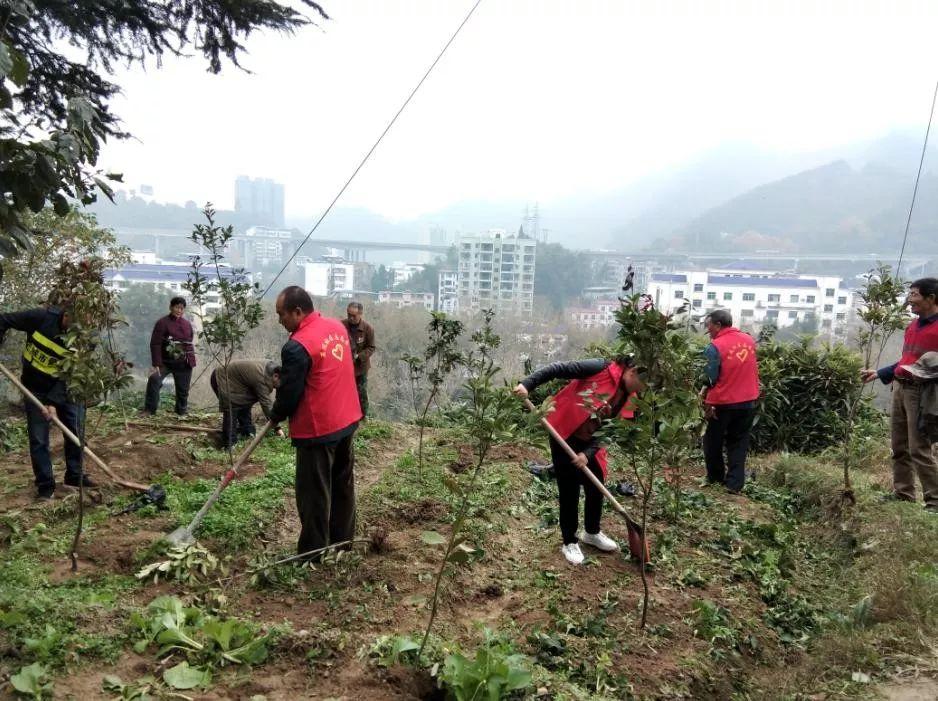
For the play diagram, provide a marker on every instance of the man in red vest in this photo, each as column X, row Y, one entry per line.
column 577, row 418
column 730, row 394
column 911, row 450
column 317, row 392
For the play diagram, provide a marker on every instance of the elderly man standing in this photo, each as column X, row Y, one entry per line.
column 172, row 352
column 317, row 392
column 912, row 451
column 362, row 336
column 730, row 393
column 239, row 386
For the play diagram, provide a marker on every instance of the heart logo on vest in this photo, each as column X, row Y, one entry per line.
column 338, row 352
column 742, row 354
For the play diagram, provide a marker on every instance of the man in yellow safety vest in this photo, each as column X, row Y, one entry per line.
column 45, row 330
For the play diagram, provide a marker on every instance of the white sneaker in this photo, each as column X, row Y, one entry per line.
column 573, row 553
column 600, row 541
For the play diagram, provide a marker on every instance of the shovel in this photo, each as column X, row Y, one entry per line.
column 155, row 490
column 638, row 545
column 184, row 534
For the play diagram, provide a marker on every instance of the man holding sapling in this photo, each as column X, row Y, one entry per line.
column 912, row 450
column 599, row 389
column 172, row 352
column 45, row 347
column 731, row 389
column 317, row 392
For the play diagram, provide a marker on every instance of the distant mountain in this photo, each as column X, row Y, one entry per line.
column 835, row 207
column 735, row 195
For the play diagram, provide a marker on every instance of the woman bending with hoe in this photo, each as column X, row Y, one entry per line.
column 577, row 417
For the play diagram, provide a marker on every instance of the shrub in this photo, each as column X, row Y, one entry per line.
column 806, row 392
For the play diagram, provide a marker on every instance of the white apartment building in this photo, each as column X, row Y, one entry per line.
column 323, row 278
column 167, row 276
column 600, row 315
column 448, row 296
column 757, row 297
column 496, row 271
column 407, row 299
column 404, row 271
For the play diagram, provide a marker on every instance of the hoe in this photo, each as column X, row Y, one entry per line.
column 184, row 534
column 154, row 494
column 638, row 545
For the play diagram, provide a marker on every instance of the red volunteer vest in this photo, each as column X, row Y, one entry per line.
column 739, row 374
column 918, row 341
column 568, row 412
column 330, row 398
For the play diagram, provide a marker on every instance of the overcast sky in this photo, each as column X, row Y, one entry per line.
column 535, row 100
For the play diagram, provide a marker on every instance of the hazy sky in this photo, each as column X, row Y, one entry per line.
column 535, row 100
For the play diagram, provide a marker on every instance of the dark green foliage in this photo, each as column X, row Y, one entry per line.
column 806, row 394
column 54, row 93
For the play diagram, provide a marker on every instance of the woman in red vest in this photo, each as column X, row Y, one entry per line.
column 609, row 386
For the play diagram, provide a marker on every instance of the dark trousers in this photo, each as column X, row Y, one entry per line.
column 236, row 421
column 37, row 427
column 236, row 424
column 361, row 382
column 729, row 430
column 325, row 494
column 569, row 481
column 182, row 376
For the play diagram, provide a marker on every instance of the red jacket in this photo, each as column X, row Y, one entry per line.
column 569, row 411
column 919, row 339
column 330, row 397
column 739, row 373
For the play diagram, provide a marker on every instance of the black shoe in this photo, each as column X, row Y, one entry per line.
column 626, row 489
column 893, row 496
column 46, row 494
column 544, row 472
column 85, row 480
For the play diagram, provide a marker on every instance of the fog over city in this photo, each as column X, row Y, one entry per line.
column 626, row 122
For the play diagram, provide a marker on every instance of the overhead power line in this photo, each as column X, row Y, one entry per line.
column 375, row 146
column 918, row 177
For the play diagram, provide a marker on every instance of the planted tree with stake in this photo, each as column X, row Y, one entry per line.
column 489, row 416
column 91, row 369
column 211, row 280
column 881, row 313
column 439, row 359
column 668, row 417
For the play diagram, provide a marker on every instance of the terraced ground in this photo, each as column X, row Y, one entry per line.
column 777, row 593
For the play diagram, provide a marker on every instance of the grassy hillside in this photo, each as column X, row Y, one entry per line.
column 776, row 594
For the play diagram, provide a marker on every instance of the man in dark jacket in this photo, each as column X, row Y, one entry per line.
column 239, row 386
column 45, row 347
column 599, row 389
column 172, row 352
column 362, row 336
column 317, row 392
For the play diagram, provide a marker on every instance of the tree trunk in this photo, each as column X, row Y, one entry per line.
column 73, row 554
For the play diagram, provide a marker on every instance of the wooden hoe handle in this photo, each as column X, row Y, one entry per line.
column 68, row 434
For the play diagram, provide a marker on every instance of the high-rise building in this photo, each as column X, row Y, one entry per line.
column 260, row 200
column 496, row 271
column 448, row 292
column 323, row 278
